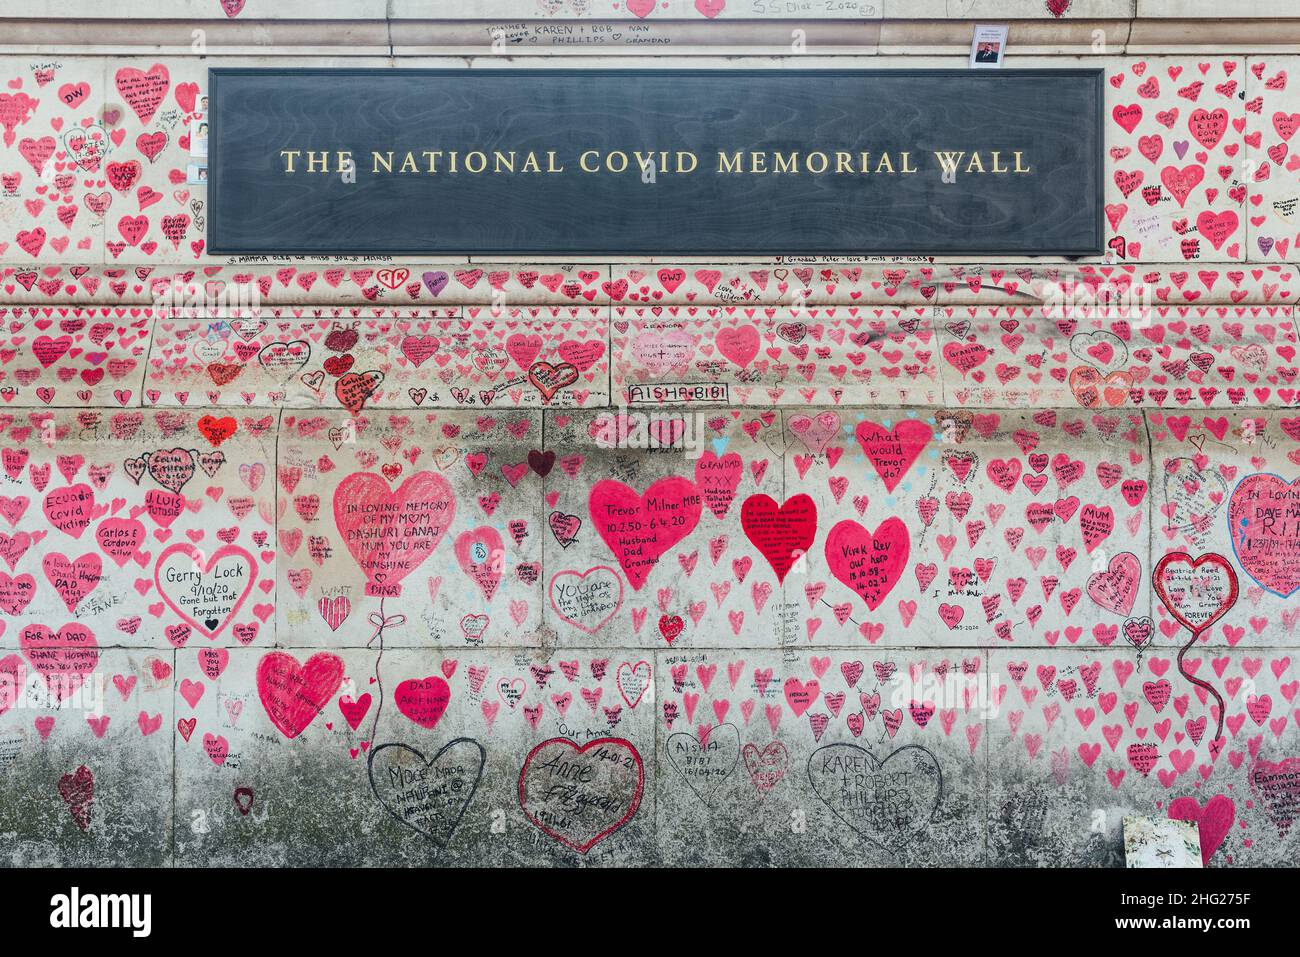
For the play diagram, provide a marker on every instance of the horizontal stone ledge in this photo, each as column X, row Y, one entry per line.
column 1097, row 36
column 719, row 13
column 1224, row 36
column 651, row 358
column 1217, row 10
column 177, row 37
column 1024, row 38
column 587, row 38
column 896, row 37
column 776, row 282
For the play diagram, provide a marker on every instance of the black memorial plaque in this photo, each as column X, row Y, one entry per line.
column 775, row 162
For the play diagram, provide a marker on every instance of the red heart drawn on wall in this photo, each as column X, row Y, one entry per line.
column 78, row 792
column 423, row 700
column 1197, row 592
column 870, row 563
column 892, row 451
column 206, row 591
column 605, row 777
column 1266, row 545
column 638, row 528
column 292, row 693
column 782, row 534
column 372, row 518
column 1214, row 820
column 65, row 659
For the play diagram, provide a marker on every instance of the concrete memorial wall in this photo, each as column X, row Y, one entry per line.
column 779, row 561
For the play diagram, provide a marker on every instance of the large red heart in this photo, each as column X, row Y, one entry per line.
column 73, row 580
column 1214, row 821
column 604, row 778
column 782, row 534
column 639, row 528
column 65, row 659
column 143, row 91
column 78, row 792
column 353, row 389
column 740, row 345
column 767, row 766
column 1196, row 601
column 423, row 700
column 549, row 379
column 892, row 451
column 1115, row 587
column 373, row 519
column 869, row 563
column 587, row 600
column 207, row 591
column 1263, row 541
column 292, row 693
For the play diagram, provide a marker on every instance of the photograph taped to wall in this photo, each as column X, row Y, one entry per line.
column 988, row 46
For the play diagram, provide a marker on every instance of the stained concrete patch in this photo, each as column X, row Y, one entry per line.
column 86, row 758
column 1087, row 737
column 350, row 758
column 839, row 759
